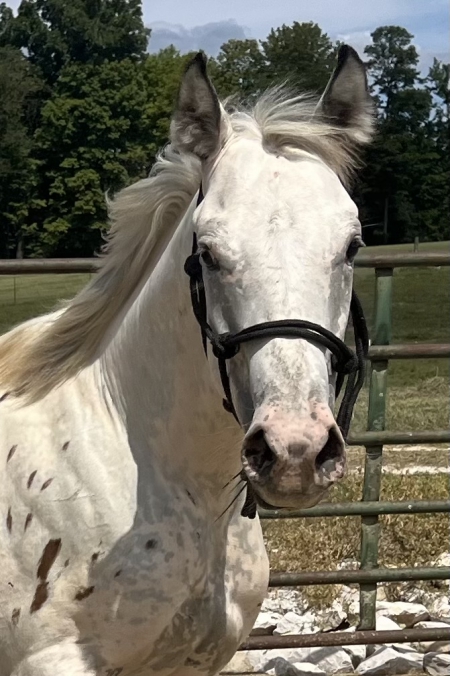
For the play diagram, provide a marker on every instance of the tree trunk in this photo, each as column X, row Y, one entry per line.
column 19, row 248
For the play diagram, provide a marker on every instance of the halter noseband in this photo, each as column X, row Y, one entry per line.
column 225, row 346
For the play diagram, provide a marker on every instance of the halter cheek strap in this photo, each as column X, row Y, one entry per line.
column 225, row 346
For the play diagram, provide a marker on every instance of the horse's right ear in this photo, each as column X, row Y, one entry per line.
column 346, row 103
column 197, row 122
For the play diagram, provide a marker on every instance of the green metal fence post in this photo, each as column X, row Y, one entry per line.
column 370, row 527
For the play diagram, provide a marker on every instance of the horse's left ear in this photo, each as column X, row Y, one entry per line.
column 197, row 122
column 346, row 101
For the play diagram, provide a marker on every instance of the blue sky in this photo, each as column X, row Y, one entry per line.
column 189, row 22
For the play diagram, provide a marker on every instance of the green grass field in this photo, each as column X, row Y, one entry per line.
column 27, row 296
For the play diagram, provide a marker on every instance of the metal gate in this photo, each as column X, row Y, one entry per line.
column 370, row 508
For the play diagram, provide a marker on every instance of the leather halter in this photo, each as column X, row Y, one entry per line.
column 225, row 346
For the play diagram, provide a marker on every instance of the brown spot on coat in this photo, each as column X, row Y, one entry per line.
column 95, row 556
column 65, row 446
column 15, row 617
column 314, row 415
column 40, row 597
column 46, row 484
column 83, row 593
column 28, row 520
column 12, row 450
column 119, row 572
column 31, row 478
column 51, row 551
column 66, row 563
column 150, row 544
column 9, row 520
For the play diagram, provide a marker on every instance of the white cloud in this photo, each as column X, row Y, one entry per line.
column 358, row 40
column 12, row 3
column 209, row 37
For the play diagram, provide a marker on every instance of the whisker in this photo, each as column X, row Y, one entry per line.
column 232, row 479
column 234, row 487
column 233, row 501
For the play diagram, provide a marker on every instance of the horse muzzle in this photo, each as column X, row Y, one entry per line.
column 292, row 461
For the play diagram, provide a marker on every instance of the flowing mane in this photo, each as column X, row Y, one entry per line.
column 41, row 354
column 287, row 122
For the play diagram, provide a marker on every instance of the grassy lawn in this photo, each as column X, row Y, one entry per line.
column 27, row 296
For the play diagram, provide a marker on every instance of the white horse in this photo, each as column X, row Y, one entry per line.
column 123, row 548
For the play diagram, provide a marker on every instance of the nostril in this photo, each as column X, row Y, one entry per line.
column 258, row 454
column 331, row 454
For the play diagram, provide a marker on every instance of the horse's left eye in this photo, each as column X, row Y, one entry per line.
column 209, row 260
column 353, row 248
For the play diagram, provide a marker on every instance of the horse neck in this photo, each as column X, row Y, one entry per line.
column 161, row 382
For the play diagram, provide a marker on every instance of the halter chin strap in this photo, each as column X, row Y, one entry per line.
column 225, row 346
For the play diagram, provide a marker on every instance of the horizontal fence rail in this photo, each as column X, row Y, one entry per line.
column 358, row 576
column 345, row 638
column 360, row 509
column 384, row 438
column 370, row 508
column 48, row 266
column 411, row 351
column 45, row 266
column 403, row 260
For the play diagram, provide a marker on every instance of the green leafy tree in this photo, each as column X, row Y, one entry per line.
column 393, row 63
column 91, row 140
column 91, row 132
column 56, row 32
column 19, row 88
column 239, row 68
column 100, row 131
column 403, row 164
column 301, row 54
column 438, row 82
column 162, row 74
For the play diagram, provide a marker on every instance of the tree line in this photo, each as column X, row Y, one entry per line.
column 84, row 109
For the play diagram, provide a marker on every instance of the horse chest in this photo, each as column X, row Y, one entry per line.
column 189, row 610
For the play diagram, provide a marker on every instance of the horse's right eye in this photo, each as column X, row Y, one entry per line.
column 353, row 248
